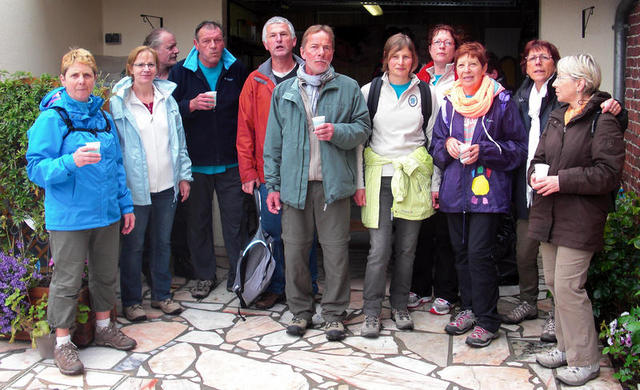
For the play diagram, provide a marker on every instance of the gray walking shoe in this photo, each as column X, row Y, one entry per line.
column 297, row 326
column 334, row 330
column 135, row 313
column 168, row 306
column 111, row 336
column 524, row 311
column 480, row 337
column 67, row 358
column 202, row 288
column 549, row 331
column 464, row 321
column 370, row 327
column 402, row 319
column 552, row 359
column 577, row 376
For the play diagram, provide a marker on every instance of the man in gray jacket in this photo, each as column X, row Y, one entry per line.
column 315, row 122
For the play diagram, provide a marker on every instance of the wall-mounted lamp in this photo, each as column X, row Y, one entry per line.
column 372, row 7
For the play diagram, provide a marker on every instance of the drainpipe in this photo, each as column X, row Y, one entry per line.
column 620, row 27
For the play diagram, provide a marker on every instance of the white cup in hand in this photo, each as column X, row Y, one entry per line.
column 214, row 95
column 463, row 147
column 93, row 146
column 541, row 170
column 317, row 121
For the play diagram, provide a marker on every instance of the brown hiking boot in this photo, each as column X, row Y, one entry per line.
column 268, row 300
column 168, row 306
column 112, row 337
column 67, row 359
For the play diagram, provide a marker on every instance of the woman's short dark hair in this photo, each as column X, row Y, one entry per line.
column 539, row 45
column 472, row 49
column 457, row 38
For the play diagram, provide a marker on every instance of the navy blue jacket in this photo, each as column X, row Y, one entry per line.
column 210, row 134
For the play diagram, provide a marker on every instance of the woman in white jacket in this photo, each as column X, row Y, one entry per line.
column 158, row 167
column 397, row 171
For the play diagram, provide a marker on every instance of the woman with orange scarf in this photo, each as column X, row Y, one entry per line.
column 478, row 139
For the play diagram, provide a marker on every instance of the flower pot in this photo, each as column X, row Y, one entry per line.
column 45, row 345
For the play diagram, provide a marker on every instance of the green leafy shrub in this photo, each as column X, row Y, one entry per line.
column 622, row 343
column 614, row 274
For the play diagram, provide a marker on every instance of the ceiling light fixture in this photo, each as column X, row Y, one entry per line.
column 373, row 8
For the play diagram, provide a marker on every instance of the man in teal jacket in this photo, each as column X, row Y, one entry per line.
column 310, row 172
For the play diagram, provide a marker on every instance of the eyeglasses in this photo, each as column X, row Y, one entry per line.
column 541, row 57
column 150, row 65
column 441, row 42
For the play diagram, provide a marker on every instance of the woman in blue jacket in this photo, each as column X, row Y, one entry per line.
column 158, row 168
column 74, row 154
column 478, row 139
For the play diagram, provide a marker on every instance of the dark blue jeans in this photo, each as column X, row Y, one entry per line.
column 272, row 225
column 473, row 236
column 158, row 218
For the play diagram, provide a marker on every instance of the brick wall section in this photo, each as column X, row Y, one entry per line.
column 631, row 174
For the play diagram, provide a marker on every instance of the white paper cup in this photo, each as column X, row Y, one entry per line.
column 214, row 95
column 463, row 147
column 94, row 146
column 317, row 121
column 542, row 170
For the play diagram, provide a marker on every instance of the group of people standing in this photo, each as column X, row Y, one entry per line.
column 432, row 158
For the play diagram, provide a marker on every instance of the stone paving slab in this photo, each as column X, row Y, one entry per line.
column 210, row 347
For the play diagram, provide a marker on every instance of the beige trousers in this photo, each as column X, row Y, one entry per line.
column 565, row 272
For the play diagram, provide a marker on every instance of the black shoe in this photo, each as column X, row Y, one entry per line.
column 202, row 288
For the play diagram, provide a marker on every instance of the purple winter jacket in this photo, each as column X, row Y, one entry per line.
column 485, row 186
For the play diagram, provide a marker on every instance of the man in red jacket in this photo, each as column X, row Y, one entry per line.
column 279, row 38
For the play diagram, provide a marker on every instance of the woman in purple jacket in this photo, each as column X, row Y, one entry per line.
column 478, row 139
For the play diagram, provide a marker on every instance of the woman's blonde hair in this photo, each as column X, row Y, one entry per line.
column 81, row 56
column 133, row 54
column 395, row 43
column 582, row 66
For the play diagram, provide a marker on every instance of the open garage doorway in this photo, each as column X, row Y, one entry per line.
column 504, row 26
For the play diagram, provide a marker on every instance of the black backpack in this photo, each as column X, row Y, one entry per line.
column 425, row 97
column 64, row 115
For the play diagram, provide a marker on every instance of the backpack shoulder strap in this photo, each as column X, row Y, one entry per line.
column 64, row 115
column 374, row 97
column 425, row 97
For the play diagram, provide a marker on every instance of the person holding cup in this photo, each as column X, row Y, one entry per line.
column 158, row 172
column 585, row 157
column 398, row 170
column 86, row 198
column 478, row 140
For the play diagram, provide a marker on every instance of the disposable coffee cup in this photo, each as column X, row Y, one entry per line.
column 463, row 147
column 93, row 146
column 542, row 170
column 214, row 95
column 317, row 121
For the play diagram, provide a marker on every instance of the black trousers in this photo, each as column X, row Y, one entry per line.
column 228, row 189
column 473, row 236
column 434, row 254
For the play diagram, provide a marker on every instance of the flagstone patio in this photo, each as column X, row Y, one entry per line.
column 210, row 346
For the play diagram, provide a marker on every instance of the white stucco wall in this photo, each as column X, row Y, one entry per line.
column 561, row 23
column 36, row 33
column 180, row 17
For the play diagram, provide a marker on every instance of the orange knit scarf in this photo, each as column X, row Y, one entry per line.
column 476, row 105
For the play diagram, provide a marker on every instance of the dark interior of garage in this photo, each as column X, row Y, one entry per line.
column 503, row 26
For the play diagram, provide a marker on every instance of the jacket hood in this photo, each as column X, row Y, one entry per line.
column 592, row 106
column 191, row 62
column 123, row 87
column 59, row 97
column 427, row 71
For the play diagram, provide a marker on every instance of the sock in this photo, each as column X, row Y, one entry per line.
column 102, row 323
column 63, row 340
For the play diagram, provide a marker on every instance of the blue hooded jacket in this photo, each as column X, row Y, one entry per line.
column 77, row 198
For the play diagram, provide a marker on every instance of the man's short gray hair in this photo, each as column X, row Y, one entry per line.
column 277, row 20
column 582, row 66
column 153, row 39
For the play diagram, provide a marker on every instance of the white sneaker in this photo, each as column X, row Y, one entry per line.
column 552, row 359
column 578, row 376
column 415, row 301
